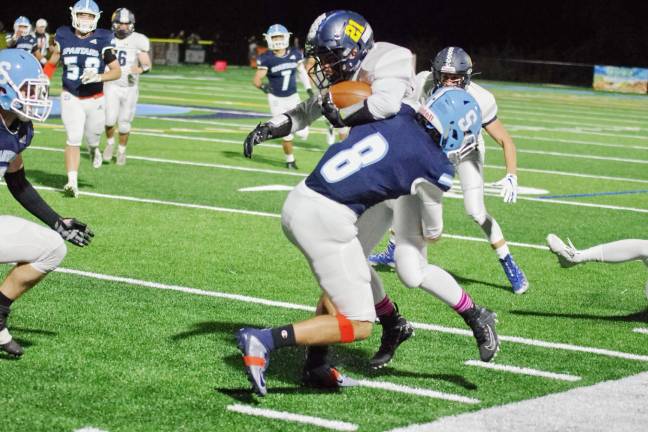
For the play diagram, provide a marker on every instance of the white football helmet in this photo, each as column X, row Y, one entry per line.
column 278, row 37
column 41, row 25
column 86, row 7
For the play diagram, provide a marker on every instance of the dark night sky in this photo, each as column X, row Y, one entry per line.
column 578, row 31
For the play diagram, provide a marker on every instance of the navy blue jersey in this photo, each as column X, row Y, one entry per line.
column 379, row 161
column 79, row 54
column 27, row 43
column 282, row 71
column 13, row 142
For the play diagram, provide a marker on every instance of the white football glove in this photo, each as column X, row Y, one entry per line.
column 509, row 188
column 90, row 76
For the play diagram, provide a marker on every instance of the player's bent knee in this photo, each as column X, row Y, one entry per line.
column 124, row 127
column 50, row 260
column 362, row 329
column 408, row 267
column 478, row 217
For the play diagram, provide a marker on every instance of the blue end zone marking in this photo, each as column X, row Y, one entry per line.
column 142, row 109
column 594, row 194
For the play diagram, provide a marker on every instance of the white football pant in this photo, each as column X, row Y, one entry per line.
column 82, row 117
column 121, row 104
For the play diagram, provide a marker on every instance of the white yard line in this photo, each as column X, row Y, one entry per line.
column 290, row 417
column 574, row 155
column 417, row 391
column 587, row 143
column 523, row 371
column 286, row 305
column 641, row 330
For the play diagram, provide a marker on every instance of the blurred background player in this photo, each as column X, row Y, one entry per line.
column 42, row 39
column 280, row 65
column 132, row 50
column 22, row 37
column 84, row 51
column 36, row 250
column 452, row 67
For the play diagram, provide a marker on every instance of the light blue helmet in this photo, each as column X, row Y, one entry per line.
column 89, row 7
column 22, row 21
column 24, row 87
column 455, row 116
column 277, row 36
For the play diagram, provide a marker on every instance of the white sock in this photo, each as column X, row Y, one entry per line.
column 290, row 158
column 121, row 149
column 616, row 252
column 110, row 141
column 72, row 177
column 502, row 251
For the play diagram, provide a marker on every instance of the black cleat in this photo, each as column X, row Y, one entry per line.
column 292, row 165
column 7, row 343
column 326, row 376
column 482, row 322
column 392, row 336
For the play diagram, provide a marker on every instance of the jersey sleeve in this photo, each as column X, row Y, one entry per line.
column 486, row 102
column 298, row 55
column 393, row 77
column 261, row 62
column 143, row 43
column 304, row 114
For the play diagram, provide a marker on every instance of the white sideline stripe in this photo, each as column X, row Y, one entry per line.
column 573, row 155
column 195, row 291
column 568, row 174
column 90, row 429
column 640, row 330
column 417, row 391
column 589, row 143
column 422, row 326
column 298, row 418
column 523, row 371
column 483, row 240
column 584, row 204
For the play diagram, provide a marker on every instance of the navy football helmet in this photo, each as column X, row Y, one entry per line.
column 338, row 41
column 452, row 61
column 123, row 16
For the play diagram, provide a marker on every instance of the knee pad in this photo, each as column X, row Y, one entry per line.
column 51, row 259
column 409, row 265
column 432, row 233
column 124, row 127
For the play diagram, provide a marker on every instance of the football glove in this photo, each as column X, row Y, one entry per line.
column 74, row 231
column 509, row 188
column 265, row 88
column 331, row 112
column 258, row 135
column 90, row 76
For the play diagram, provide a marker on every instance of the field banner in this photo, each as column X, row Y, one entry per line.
column 621, row 79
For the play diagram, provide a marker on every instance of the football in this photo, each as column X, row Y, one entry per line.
column 347, row 93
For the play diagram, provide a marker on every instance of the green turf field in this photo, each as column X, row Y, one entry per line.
column 135, row 333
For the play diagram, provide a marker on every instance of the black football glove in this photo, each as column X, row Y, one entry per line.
column 74, row 231
column 331, row 112
column 258, row 135
column 265, row 88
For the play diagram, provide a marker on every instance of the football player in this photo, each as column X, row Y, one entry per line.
column 280, row 65
column 342, row 46
column 22, row 37
column 614, row 252
column 378, row 161
column 452, row 67
column 121, row 95
column 37, row 250
column 84, row 51
column 42, row 39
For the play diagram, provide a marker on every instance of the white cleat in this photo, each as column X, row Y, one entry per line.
column 96, row 158
column 567, row 254
column 121, row 158
column 108, row 153
column 71, row 190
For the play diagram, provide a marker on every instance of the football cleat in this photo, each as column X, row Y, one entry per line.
column 515, row 275
column 7, row 343
column 385, row 257
column 392, row 337
column 108, row 153
column 482, row 323
column 326, row 376
column 71, row 190
column 292, row 165
column 96, row 157
column 255, row 358
column 121, row 159
column 566, row 253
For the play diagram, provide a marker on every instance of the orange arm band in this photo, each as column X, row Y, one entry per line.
column 49, row 69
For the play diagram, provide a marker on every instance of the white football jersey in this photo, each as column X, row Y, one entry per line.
column 389, row 69
column 484, row 98
column 127, row 51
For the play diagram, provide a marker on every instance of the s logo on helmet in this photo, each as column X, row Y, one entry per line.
column 468, row 120
column 5, row 67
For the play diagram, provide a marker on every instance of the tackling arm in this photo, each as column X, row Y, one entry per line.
column 499, row 133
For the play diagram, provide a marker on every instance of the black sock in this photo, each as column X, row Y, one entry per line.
column 4, row 300
column 316, row 356
column 283, row 336
column 388, row 321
